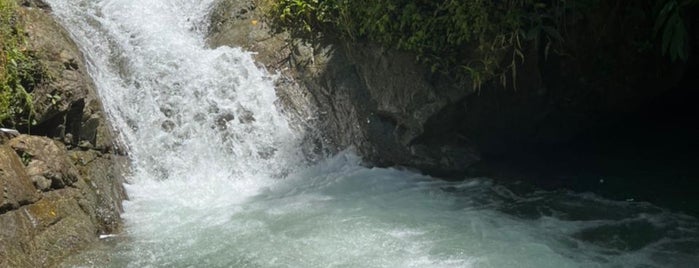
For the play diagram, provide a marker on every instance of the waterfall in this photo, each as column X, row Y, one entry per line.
column 218, row 179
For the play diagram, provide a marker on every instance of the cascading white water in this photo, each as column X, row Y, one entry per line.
column 218, row 180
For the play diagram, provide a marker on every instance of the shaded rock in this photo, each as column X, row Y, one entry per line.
column 101, row 187
column 372, row 99
column 90, row 127
column 395, row 111
column 15, row 186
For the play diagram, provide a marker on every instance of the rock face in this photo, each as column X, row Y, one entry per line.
column 396, row 112
column 66, row 103
column 45, row 162
column 55, row 201
column 57, row 198
column 375, row 100
column 16, row 187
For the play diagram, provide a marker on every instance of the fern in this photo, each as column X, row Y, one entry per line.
column 670, row 24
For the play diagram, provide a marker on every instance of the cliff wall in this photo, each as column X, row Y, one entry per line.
column 61, row 185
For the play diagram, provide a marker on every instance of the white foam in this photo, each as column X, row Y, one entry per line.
column 207, row 191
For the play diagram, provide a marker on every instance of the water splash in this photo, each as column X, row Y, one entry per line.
column 218, row 180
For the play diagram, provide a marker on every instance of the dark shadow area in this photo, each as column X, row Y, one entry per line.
column 649, row 155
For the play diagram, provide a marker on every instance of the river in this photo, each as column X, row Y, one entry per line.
column 219, row 179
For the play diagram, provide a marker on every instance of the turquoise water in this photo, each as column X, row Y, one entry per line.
column 219, row 181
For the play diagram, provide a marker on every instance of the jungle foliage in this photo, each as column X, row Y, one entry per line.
column 473, row 39
column 19, row 70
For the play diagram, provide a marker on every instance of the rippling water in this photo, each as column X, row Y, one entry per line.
column 219, row 180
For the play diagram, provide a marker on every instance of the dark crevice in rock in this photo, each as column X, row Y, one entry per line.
column 63, row 125
column 74, row 118
column 4, row 208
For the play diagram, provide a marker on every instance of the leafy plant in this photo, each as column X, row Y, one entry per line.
column 471, row 40
column 669, row 23
column 463, row 37
column 26, row 158
column 54, row 98
column 19, row 70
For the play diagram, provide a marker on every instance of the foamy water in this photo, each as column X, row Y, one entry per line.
column 219, row 180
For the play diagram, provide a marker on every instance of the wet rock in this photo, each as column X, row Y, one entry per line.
column 245, row 116
column 223, row 119
column 376, row 100
column 168, row 125
column 35, row 4
column 167, row 111
column 385, row 104
column 103, row 176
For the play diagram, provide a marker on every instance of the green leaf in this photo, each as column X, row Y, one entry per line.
column 663, row 16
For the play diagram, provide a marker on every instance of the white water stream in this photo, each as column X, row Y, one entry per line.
column 218, row 179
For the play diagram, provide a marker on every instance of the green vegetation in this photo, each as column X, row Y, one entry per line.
column 473, row 36
column 19, row 70
column 473, row 39
column 669, row 23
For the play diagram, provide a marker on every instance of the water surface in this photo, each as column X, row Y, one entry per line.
column 219, row 181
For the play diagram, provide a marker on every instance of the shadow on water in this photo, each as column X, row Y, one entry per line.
column 586, row 222
column 648, row 155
